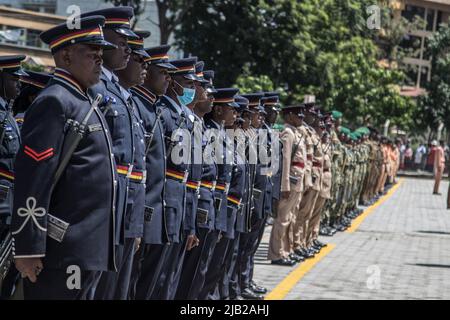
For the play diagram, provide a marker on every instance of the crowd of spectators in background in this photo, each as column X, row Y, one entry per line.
column 423, row 157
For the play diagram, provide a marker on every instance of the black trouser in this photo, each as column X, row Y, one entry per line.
column 234, row 271
column 215, row 270
column 167, row 282
column 196, row 265
column 9, row 283
column 147, row 266
column 227, row 283
column 248, row 245
column 262, row 228
column 115, row 285
column 52, row 284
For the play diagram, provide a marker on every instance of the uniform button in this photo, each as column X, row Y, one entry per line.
column 106, row 130
column 142, row 140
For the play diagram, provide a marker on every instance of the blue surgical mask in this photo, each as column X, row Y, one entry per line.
column 187, row 97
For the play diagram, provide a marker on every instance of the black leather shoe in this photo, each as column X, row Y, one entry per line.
column 312, row 253
column 319, row 244
column 296, row 257
column 300, row 252
column 257, row 289
column 314, row 249
column 283, row 262
column 306, row 253
column 248, row 294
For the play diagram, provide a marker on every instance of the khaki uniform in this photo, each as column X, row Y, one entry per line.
column 324, row 195
column 292, row 180
column 306, row 205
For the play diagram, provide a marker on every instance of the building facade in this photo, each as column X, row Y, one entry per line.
column 434, row 13
column 21, row 22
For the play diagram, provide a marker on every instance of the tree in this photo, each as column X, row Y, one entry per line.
column 137, row 6
column 170, row 15
column 435, row 106
column 320, row 47
column 355, row 84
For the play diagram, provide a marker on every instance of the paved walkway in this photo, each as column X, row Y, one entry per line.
column 401, row 250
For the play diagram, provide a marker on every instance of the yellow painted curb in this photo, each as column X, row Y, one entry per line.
column 356, row 223
column 286, row 285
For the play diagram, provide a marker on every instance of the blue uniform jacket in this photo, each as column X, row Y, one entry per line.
column 120, row 125
column 224, row 170
column 173, row 118
column 154, row 223
column 8, row 150
column 74, row 224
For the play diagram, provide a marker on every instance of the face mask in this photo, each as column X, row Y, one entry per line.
column 187, row 97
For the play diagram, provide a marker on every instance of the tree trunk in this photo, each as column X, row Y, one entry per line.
column 164, row 24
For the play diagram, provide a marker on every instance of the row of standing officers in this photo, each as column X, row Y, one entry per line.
column 95, row 195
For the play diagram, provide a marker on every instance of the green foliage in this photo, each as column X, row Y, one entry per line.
column 435, row 106
column 33, row 67
column 320, row 47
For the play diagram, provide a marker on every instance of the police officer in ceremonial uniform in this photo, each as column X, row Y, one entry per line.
column 249, row 242
column 243, row 220
column 148, row 260
column 180, row 93
column 10, row 71
column 236, row 214
column 31, row 84
column 270, row 102
column 199, row 253
column 189, row 238
column 232, row 172
column 64, row 208
column 119, row 117
column 134, row 74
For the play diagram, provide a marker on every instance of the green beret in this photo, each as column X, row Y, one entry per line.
column 278, row 126
column 363, row 130
column 344, row 130
column 336, row 114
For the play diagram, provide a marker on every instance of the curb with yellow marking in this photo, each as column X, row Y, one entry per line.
column 285, row 286
column 357, row 222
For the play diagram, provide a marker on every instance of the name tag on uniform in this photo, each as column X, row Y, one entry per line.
column 256, row 193
column 95, row 127
column 56, row 228
column 218, row 203
column 202, row 215
column 4, row 190
column 148, row 214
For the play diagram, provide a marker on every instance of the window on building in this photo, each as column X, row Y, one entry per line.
column 430, row 19
column 411, row 72
column 42, row 7
column 12, row 35
column 411, row 11
column 412, row 45
column 32, row 38
column 424, row 76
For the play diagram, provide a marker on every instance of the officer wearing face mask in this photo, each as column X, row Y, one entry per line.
column 175, row 116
